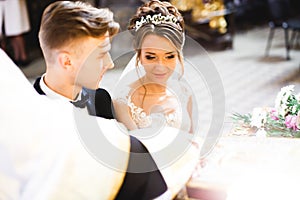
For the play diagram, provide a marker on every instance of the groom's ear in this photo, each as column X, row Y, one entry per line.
column 64, row 60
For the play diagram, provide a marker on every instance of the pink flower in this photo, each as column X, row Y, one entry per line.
column 274, row 114
column 298, row 120
column 291, row 122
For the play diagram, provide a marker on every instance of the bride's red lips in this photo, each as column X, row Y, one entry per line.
column 160, row 74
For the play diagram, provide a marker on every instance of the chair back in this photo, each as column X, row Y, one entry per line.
column 279, row 9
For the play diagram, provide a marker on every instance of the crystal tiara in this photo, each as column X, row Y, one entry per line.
column 155, row 19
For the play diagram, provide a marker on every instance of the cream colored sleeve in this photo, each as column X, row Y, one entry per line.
column 43, row 153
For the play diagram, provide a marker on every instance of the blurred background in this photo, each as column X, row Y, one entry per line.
column 213, row 23
column 254, row 45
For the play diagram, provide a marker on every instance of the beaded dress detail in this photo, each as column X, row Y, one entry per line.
column 177, row 117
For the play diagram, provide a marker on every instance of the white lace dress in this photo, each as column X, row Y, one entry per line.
column 175, row 116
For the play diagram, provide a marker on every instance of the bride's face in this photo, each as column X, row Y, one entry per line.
column 159, row 58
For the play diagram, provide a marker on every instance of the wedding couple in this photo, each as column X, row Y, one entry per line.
column 76, row 51
column 75, row 39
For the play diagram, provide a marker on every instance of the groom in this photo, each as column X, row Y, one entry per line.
column 75, row 40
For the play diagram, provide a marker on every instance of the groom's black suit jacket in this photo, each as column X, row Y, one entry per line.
column 100, row 101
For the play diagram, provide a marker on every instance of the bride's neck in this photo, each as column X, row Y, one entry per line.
column 154, row 88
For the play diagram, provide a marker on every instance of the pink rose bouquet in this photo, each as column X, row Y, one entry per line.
column 281, row 120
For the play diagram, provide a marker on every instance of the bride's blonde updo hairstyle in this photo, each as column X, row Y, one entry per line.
column 159, row 18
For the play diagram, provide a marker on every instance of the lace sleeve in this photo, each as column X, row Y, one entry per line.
column 123, row 107
column 122, row 95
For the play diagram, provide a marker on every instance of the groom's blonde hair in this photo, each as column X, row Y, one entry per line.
column 66, row 22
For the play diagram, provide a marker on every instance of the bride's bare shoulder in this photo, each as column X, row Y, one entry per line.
column 136, row 85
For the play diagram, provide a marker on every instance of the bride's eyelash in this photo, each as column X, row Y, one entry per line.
column 151, row 57
column 148, row 57
column 170, row 56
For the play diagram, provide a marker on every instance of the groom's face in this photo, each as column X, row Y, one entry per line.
column 95, row 61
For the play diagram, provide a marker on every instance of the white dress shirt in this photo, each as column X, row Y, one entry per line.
column 54, row 95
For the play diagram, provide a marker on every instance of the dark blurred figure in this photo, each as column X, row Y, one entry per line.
column 35, row 10
column 123, row 10
column 14, row 22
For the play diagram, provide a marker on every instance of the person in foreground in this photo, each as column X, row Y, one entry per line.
column 154, row 91
column 42, row 156
column 75, row 40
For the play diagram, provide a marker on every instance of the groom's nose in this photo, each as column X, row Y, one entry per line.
column 107, row 61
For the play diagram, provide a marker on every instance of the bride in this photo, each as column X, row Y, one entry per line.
column 151, row 92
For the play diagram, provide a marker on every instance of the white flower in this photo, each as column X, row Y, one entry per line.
column 259, row 117
column 282, row 99
column 288, row 88
column 294, row 108
column 298, row 97
column 283, row 110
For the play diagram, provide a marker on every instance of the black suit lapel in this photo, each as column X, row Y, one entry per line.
column 37, row 86
column 103, row 104
column 99, row 103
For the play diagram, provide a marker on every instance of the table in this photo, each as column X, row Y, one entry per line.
column 199, row 30
column 243, row 167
